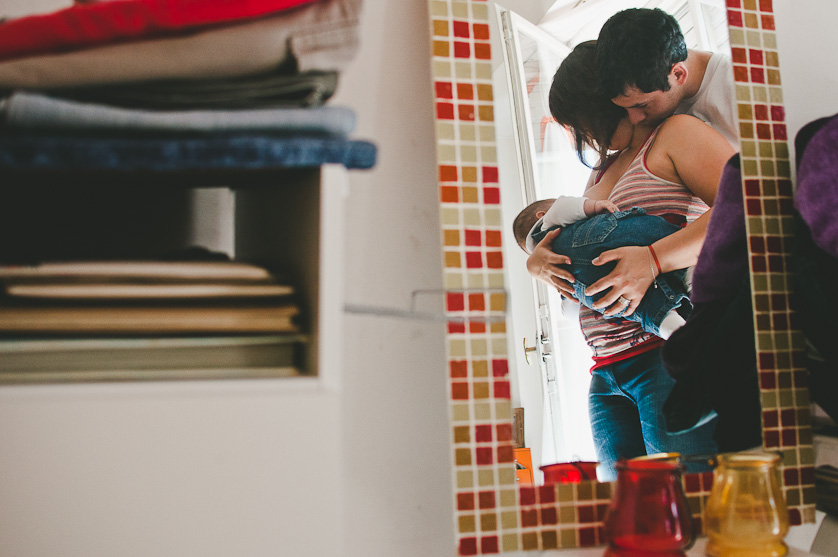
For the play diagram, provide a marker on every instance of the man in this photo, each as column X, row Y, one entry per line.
column 643, row 65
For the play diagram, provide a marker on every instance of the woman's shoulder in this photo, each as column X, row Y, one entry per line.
column 677, row 123
column 686, row 131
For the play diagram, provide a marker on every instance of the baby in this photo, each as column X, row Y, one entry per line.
column 590, row 227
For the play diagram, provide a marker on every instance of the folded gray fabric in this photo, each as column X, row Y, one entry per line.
column 267, row 90
column 30, row 111
column 321, row 36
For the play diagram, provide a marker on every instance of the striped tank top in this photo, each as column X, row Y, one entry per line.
column 638, row 187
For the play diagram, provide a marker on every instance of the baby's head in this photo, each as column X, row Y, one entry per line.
column 526, row 219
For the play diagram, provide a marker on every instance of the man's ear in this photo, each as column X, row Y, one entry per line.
column 678, row 73
column 540, row 214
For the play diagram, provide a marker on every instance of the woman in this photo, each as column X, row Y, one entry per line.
column 671, row 170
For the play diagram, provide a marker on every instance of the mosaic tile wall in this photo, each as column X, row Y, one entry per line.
column 493, row 514
column 767, row 186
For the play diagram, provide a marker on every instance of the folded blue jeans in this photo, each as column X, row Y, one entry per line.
column 584, row 240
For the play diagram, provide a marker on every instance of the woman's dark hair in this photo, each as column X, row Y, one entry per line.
column 576, row 104
column 638, row 47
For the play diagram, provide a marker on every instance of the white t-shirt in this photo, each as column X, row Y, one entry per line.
column 714, row 102
column 564, row 211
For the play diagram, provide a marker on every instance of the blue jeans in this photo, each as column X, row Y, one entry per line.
column 584, row 240
column 625, row 403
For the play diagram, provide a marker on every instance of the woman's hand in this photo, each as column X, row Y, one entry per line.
column 628, row 281
column 543, row 264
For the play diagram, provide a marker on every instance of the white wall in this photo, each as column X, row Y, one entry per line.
column 396, row 434
column 203, row 470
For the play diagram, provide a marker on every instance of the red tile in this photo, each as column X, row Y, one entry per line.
column 529, row 518
column 447, row 173
column 466, row 112
column 527, row 495
column 502, row 390
column 461, row 29
column 771, row 439
column 465, row 501
column 766, row 361
column 456, row 328
column 752, row 188
column 449, row 194
column 791, row 476
column 493, row 238
column 476, row 302
column 482, row 51
column 468, row 546
column 780, row 132
column 483, row 433
column 476, row 327
column 549, row 515
column 795, row 518
column 754, row 207
column 472, row 238
column 455, row 301
column 494, row 260
column 484, row 457
column 757, row 244
column 739, row 55
column 761, row 112
column 459, row 368
column 465, row 91
column 481, row 31
column 459, row 390
column 547, row 494
column 500, row 368
column 504, row 432
column 734, row 17
column 445, row 111
column 587, row 537
column 757, row 75
column 461, row 50
column 778, row 113
column 692, row 483
column 756, row 57
column 491, row 196
column 506, row 453
column 764, row 131
column 444, row 90
column 766, row 6
column 734, row 4
column 768, row 22
column 490, row 174
column 474, row 260
column 489, row 545
column 789, row 437
column 767, row 381
column 586, row 514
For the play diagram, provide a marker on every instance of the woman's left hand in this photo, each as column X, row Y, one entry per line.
column 628, row 281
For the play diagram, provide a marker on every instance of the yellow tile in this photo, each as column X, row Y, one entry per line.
column 476, row 281
column 748, row 148
column 439, row 8
column 441, row 49
column 480, row 368
column 487, row 133
column 466, row 523
column 463, row 71
column 509, row 542
column 479, row 11
column 486, row 478
column 746, row 111
column 468, row 154
column 472, row 217
column 494, row 279
column 465, row 479
column 486, row 113
column 483, row 70
column 459, row 412
column 470, row 194
column 446, row 153
column 481, row 391
column 452, row 259
column 482, row 411
column 469, row 174
column 497, row 327
column 493, row 217
column 467, row 132
column 499, row 347
column 773, row 77
column 456, row 348
column 451, row 237
column 462, row 457
column 453, row 281
column 460, row 9
column 751, row 21
column 488, row 522
column 440, row 27
column 507, row 476
column 509, row 498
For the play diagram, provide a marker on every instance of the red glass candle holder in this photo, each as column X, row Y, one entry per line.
column 649, row 514
column 568, row 472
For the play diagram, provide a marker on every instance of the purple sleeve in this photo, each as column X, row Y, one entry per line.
column 816, row 197
column 723, row 260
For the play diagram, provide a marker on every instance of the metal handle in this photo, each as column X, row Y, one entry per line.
column 527, row 350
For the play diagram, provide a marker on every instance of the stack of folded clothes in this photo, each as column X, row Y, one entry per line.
column 177, row 85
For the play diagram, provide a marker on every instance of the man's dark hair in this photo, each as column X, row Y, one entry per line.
column 576, row 104
column 638, row 47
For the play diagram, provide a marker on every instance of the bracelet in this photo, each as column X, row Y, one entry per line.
column 655, row 257
column 651, row 268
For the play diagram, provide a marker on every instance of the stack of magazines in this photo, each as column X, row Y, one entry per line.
column 145, row 319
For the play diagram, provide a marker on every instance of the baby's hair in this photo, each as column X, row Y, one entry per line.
column 526, row 219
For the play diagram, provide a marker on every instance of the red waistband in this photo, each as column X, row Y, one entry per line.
column 646, row 346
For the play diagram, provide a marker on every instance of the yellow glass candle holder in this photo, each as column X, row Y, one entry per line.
column 746, row 513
